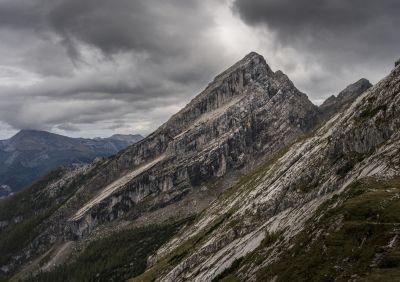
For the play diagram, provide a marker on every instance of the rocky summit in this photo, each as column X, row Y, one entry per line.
column 334, row 104
column 247, row 112
column 249, row 182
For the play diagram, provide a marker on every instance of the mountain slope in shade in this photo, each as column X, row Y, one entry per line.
column 31, row 154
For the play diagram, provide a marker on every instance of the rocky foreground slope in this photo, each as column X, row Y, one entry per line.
column 324, row 209
column 116, row 212
column 31, row 154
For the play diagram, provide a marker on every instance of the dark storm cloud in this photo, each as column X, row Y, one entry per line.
column 84, row 100
column 146, row 26
column 368, row 21
column 102, row 64
column 152, row 26
column 341, row 34
column 22, row 14
column 94, row 51
column 167, row 36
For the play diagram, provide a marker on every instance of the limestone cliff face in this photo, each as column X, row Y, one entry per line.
column 247, row 112
column 250, row 232
column 245, row 115
column 248, row 115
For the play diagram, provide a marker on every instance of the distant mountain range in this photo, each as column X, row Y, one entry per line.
column 31, row 154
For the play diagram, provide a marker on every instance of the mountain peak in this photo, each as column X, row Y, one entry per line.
column 253, row 64
column 345, row 97
column 253, row 55
column 356, row 87
column 29, row 133
column 245, row 78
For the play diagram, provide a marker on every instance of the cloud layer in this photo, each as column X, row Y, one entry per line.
column 345, row 38
column 96, row 67
column 80, row 63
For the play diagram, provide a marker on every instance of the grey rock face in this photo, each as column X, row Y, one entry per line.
column 334, row 104
column 245, row 115
column 362, row 142
column 247, row 112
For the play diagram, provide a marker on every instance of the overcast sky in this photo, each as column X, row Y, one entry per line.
column 99, row 67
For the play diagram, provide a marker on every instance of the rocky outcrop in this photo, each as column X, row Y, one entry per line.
column 335, row 104
column 256, row 222
column 247, row 112
column 248, row 115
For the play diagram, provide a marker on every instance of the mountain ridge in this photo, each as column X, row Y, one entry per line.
column 333, row 103
column 245, row 115
column 265, row 228
column 209, row 114
column 248, row 117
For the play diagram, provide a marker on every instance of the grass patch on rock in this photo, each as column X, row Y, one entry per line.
column 357, row 237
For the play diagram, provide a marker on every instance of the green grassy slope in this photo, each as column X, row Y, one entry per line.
column 115, row 258
column 354, row 236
